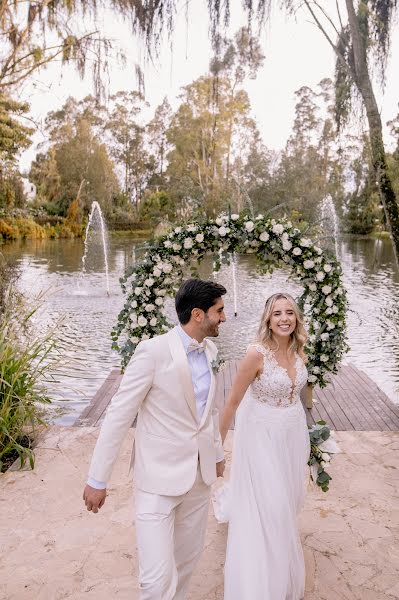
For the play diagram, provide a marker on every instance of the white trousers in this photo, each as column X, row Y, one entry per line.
column 170, row 535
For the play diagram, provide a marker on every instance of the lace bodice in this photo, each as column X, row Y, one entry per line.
column 274, row 386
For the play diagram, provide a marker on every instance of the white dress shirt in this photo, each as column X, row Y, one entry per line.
column 201, row 378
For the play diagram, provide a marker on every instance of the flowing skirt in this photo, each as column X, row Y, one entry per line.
column 264, row 558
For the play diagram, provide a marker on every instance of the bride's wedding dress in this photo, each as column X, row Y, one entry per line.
column 264, row 559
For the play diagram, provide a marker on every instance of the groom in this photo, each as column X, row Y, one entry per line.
column 177, row 451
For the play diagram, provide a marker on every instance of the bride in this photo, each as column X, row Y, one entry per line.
column 264, row 559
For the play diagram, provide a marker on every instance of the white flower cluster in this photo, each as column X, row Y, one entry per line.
column 162, row 269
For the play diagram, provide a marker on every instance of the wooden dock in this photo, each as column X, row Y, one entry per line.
column 351, row 402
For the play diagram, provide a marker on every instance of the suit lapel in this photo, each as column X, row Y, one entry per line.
column 180, row 360
column 210, row 357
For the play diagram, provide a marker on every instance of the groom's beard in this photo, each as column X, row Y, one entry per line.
column 211, row 329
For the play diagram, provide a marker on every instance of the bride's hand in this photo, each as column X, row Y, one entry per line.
column 220, row 468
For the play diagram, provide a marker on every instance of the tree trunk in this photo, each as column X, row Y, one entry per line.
column 362, row 79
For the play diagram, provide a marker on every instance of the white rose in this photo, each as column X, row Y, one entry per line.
column 249, row 226
column 324, row 358
column 149, row 307
column 329, row 311
column 329, row 301
column 188, row 243
column 138, row 291
column 312, row 287
column 176, row 247
column 161, row 292
column 191, row 228
column 326, row 289
column 330, row 325
column 149, row 282
column 308, row 264
column 153, row 321
column 325, row 336
column 320, row 275
column 178, row 230
column 222, row 230
column 142, row 321
column 134, row 304
column 134, row 340
column 287, row 245
column 327, row 268
column 335, row 309
column 199, row 238
column 156, row 272
column 144, row 337
column 297, row 251
column 133, row 317
column 159, row 301
column 264, row 236
column 312, row 378
column 305, row 242
column 167, row 243
column 235, row 217
column 219, row 221
column 316, row 325
column 318, row 250
column 167, row 267
column 316, row 370
column 278, row 229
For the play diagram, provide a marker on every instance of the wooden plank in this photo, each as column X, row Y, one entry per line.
column 339, row 418
column 351, row 409
column 376, row 408
column 351, row 402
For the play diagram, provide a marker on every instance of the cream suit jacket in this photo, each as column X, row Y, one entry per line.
column 169, row 439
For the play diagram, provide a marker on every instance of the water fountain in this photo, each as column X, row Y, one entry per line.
column 329, row 220
column 96, row 219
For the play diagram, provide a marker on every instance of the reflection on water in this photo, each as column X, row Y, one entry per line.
column 88, row 314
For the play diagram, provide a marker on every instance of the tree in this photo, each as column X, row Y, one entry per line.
column 127, row 143
column 365, row 36
column 36, row 33
column 158, row 144
column 14, row 137
column 77, row 163
column 212, row 130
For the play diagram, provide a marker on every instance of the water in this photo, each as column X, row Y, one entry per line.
column 96, row 234
column 90, row 313
column 329, row 224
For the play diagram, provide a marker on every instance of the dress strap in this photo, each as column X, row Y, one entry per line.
column 261, row 349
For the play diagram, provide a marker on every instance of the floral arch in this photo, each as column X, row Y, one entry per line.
column 274, row 242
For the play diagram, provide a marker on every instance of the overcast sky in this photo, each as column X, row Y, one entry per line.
column 296, row 54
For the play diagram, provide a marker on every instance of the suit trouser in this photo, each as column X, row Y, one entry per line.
column 170, row 535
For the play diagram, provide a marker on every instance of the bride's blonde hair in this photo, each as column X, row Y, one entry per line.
column 298, row 336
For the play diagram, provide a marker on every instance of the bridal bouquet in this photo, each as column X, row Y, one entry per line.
column 322, row 446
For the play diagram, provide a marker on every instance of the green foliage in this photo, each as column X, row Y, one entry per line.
column 14, row 136
column 24, row 367
column 156, row 207
column 77, row 163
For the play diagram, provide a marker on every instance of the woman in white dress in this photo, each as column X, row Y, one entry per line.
column 264, row 558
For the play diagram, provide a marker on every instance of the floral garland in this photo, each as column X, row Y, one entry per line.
column 274, row 243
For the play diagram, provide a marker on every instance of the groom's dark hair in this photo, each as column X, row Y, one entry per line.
column 196, row 293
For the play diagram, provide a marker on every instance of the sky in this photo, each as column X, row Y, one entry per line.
column 296, row 54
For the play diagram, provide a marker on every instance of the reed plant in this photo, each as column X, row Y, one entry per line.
column 25, row 365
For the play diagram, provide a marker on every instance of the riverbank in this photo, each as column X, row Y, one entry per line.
column 30, row 228
column 52, row 548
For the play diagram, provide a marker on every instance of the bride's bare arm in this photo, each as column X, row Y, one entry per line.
column 250, row 367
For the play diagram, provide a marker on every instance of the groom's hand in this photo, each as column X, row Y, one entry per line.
column 93, row 498
column 220, row 468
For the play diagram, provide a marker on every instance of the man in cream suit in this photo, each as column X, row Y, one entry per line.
column 177, row 451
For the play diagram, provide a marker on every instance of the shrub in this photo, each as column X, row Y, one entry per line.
column 24, row 366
